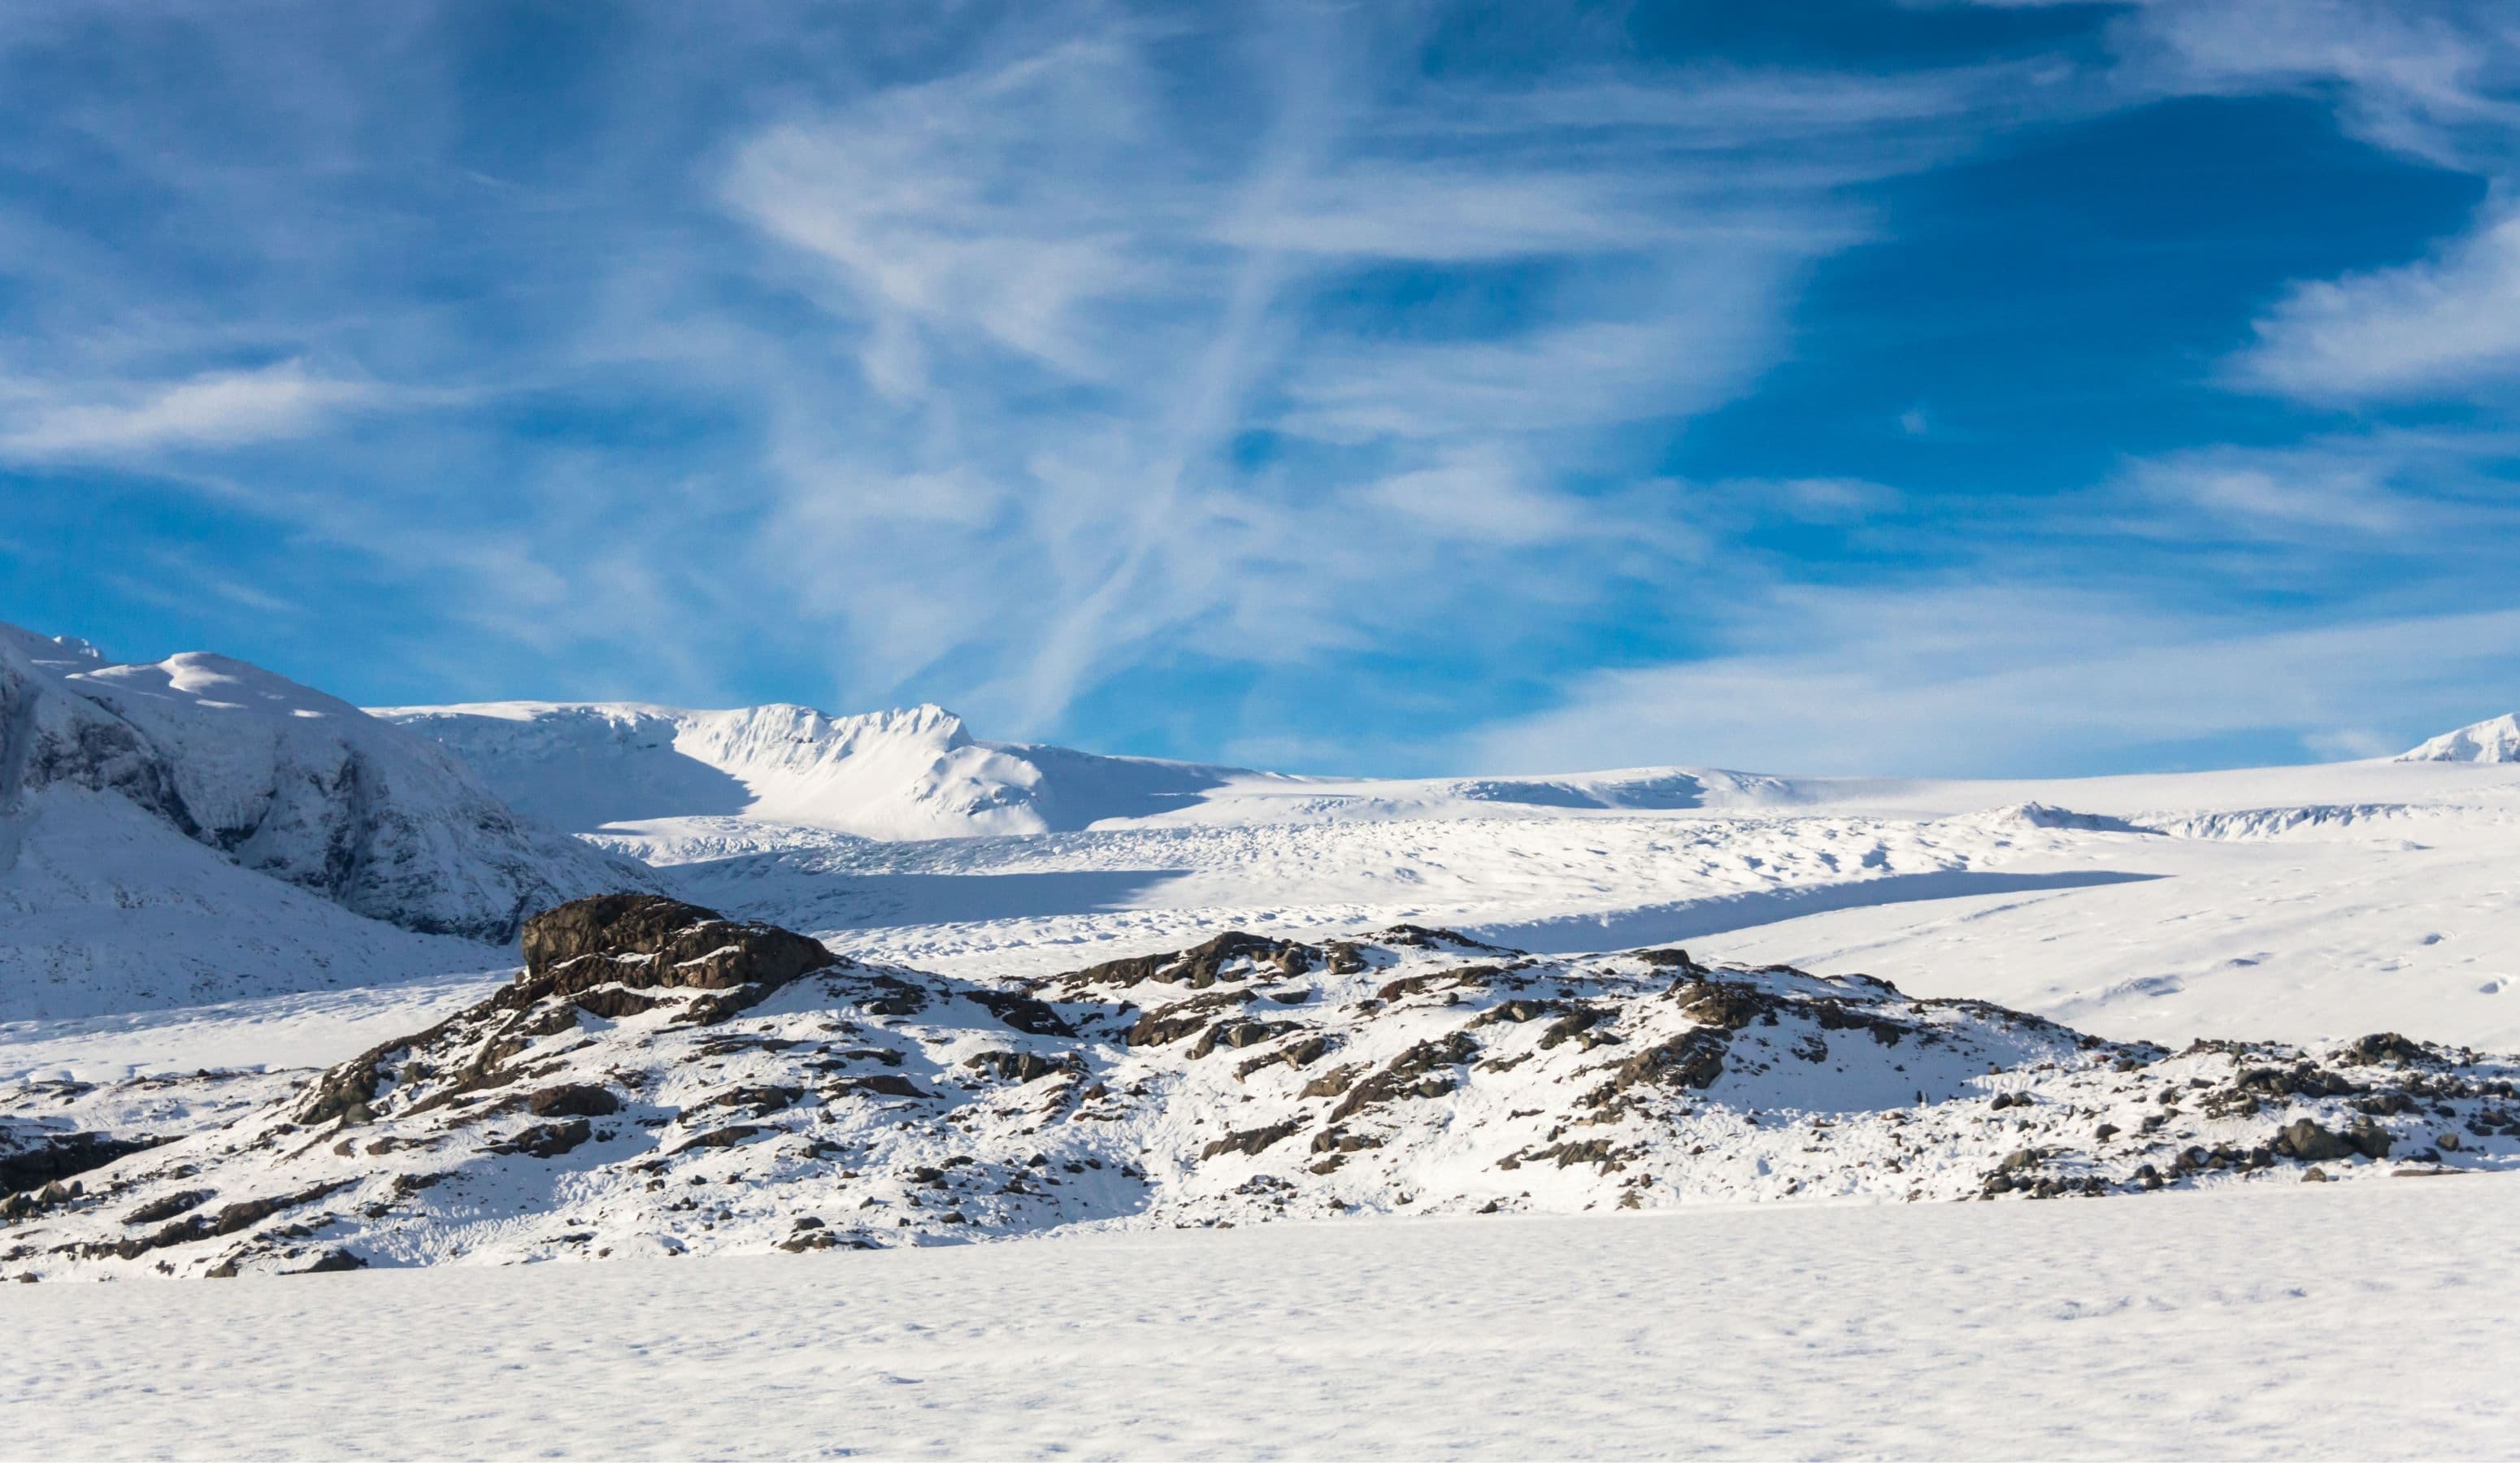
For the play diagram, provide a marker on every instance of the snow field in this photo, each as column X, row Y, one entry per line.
column 2346, row 1320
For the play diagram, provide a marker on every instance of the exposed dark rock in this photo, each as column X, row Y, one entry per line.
column 1252, row 1141
column 1730, row 1005
column 759, row 1098
column 1335, row 1082
column 1690, row 1060
column 1518, row 1010
column 1238, row 1035
column 1024, row 1013
column 1171, row 1023
column 1301, row 1054
column 2386, row 1047
column 1573, row 1024
column 1669, row 960
column 1014, row 1066
column 1202, row 965
column 330, row 1263
column 1408, row 1075
column 166, row 1207
column 546, row 1139
column 49, row 1158
column 572, row 1100
column 1438, row 980
column 2310, row 1142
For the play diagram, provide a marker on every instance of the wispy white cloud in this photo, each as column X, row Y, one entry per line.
column 2450, row 324
column 2427, row 78
column 41, row 419
column 1997, row 678
column 1076, row 347
column 2436, row 80
column 1021, row 357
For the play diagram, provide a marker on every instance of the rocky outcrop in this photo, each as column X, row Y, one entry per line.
column 660, row 1080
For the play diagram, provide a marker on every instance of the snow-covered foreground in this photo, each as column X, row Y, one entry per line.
column 275, row 1032
column 2371, row 1320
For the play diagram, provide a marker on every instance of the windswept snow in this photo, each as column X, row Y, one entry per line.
column 2313, row 1322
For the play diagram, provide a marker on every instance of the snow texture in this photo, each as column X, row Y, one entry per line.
column 2335, row 1321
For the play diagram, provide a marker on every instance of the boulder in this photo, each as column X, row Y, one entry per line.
column 2305, row 1140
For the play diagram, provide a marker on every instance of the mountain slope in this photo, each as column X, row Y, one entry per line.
column 201, row 829
column 898, row 774
column 2497, row 740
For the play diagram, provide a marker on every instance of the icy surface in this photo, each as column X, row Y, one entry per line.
column 2274, row 1324
column 2298, row 902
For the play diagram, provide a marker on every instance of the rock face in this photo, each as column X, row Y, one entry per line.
column 662, row 1081
column 649, row 939
column 277, row 778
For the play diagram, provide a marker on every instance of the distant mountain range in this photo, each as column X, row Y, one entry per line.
column 197, row 828
column 910, row 774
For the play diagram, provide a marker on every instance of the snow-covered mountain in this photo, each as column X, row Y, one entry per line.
column 900, row 775
column 2495, row 739
column 659, row 1081
column 919, row 773
column 199, row 828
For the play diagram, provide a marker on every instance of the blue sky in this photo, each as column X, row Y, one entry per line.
column 1827, row 387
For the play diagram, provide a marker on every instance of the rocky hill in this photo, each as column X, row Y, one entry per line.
column 662, row 1081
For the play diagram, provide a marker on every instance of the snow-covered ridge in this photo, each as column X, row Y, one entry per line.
column 658, row 1081
column 2497, row 740
column 915, row 772
column 273, row 777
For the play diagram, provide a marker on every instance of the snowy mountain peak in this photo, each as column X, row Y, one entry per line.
column 200, row 681
column 2497, row 740
column 54, row 651
column 908, row 773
